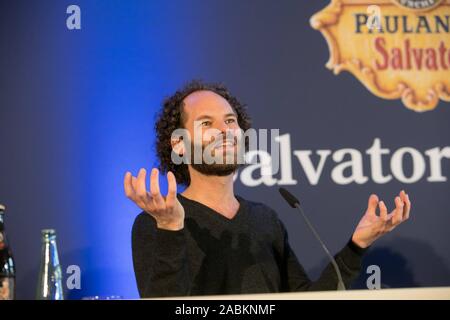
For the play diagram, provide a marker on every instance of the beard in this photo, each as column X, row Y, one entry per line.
column 215, row 169
column 230, row 166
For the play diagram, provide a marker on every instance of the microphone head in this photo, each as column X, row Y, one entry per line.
column 289, row 197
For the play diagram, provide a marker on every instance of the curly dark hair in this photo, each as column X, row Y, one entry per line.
column 170, row 118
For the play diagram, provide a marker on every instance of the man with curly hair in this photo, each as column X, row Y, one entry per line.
column 208, row 240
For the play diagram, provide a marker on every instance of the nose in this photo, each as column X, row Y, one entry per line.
column 223, row 127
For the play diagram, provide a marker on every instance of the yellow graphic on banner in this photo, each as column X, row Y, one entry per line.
column 399, row 49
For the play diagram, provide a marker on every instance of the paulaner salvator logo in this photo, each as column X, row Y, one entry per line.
column 403, row 52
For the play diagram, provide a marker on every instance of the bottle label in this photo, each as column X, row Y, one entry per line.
column 2, row 241
column 6, row 288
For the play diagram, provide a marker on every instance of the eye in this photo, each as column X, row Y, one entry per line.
column 231, row 120
column 206, row 123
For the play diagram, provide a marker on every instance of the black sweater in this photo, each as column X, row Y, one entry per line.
column 212, row 254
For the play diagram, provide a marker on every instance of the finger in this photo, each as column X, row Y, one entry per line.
column 141, row 190
column 397, row 216
column 158, row 200
column 402, row 195
column 134, row 183
column 140, row 201
column 372, row 204
column 172, row 190
column 407, row 208
column 127, row 184
column 383, row 211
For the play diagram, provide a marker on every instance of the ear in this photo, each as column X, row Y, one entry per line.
column 177, row 145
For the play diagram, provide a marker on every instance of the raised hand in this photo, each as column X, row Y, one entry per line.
column 168, row 212
column 373, row 226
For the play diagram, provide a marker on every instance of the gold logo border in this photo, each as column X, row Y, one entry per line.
column 365, row 74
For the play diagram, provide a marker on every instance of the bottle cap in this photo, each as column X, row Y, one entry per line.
column 48, row 233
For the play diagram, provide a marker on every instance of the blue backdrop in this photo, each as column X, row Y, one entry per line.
column 77, row 110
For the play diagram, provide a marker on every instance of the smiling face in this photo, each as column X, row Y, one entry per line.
column 176, row 121
column 213, row 127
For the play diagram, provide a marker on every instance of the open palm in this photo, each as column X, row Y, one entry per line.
column 373, row 225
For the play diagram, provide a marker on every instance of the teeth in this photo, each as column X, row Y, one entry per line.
column 225, row 144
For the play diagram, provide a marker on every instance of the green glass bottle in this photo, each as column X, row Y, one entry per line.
column 50, row 274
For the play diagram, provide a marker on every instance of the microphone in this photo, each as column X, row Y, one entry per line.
column 294, row 203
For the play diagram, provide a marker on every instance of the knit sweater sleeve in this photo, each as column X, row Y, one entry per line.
column 159, row 259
